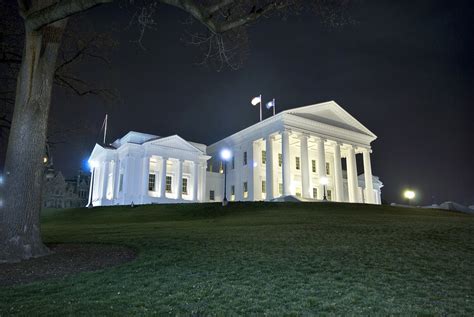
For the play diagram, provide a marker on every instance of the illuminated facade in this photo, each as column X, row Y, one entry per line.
column 298, row 152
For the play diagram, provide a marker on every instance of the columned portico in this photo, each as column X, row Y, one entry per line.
column 369, row 185
column 269, row 168
column 285, row 153
column 352, row 174
column 305, row 180
column 321, row 166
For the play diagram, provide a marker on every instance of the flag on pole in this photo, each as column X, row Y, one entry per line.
column 270, row 104
column 256, row 100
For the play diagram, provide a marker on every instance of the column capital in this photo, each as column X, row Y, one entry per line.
column 303, row 135
column 286, row 130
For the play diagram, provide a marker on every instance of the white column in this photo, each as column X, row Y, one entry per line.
column 91, row 186
column 104, row 178
column 369, row 185
column 180, row 180
column 257, row 169
column 163, row 177
column 321, row 166
column 195, row 180
column 285, row 153
column 269, row 168
column 338, row 183
column 352, row 175
column 202, row 183
column 145, row 176
column 304, row 166
column 251, row 172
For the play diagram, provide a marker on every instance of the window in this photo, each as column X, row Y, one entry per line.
column 280, row 160
column 232, row 192
column 315, row 192
column 328, row 170
column 246, row 191
column 264, row 187
column 329, row 194
column 221, row 167
column 120, row 182
column 169, row 181
column 212, row 195
column 313, row 166
column 280, row 188
column 233, row 162
column 245, row 158
column 185, row 186
column 264, row 157
column 151, row 182
column 298, row 163
column 298, row 192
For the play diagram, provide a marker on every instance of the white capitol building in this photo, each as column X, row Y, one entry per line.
column 298, row 152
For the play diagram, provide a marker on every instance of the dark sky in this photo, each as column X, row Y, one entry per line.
column 405, row 70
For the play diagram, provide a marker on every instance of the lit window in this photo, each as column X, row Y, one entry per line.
column 264, row 157
column 232, row 192
column 221, row 168
column 313, row 166
column 280, row 160
column 185, row 186
column 245, row 158
column 327, row 168
column 211, row 195
column 264, row 187
column 297, row 163
column 151, row 182
column 315, row 192
column 246, row 192
column 169, row 181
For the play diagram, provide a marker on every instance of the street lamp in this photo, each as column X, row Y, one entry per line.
column 409, row 195
column 324, row 182
column 226, row 154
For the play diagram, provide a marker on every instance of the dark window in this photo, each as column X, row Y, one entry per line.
column 298, row 163
column 264, row 187
column 280, row 160
column 315, row 192
column 169, row 181
column 233, row 162
column 151, row 182
column 329, row 193
column 328, row 170
column 264, row 157
column 313, row 166
column 211, row 195
column 120, row 182
column 185, row 186
column 245, row 158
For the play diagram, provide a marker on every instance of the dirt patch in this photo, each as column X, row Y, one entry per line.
column 65, row 259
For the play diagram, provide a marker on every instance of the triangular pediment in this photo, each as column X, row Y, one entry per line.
column 175, row 142
column 331, row 113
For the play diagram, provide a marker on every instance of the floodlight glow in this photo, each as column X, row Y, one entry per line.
column 93, row 164
column 409, row 194
column 323, row 180
column 226, row 154
column 1, row 180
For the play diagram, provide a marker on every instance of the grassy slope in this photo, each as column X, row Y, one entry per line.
column 262, row 258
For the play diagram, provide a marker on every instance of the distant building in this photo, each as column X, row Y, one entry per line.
column 59, row 192
column 298, row 152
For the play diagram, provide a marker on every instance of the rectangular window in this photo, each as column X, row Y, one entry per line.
column 245, row 158
column 298, row 192
column 298, row 163
column 313, row 166
column 246, row 191
column 120, row 182
column 280, row 160
column 233, row 162
column 328, row 170
column 264, row 187
column 329, row 193
column 185, row 186
column 151, row 182
column 232, row 192
column 221, row 167
column 264, row 157
column 280, row 188
column 211, row 195
column 315, row 192
column 169, row 181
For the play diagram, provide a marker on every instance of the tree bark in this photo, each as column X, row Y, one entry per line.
column 20, row 236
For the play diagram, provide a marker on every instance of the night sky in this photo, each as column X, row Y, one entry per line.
column 405, row 70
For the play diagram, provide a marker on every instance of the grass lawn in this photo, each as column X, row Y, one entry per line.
column 261, row 258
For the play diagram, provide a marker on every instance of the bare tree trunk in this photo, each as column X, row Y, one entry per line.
column 20, row 236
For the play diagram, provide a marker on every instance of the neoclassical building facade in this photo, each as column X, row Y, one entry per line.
column 308, row 153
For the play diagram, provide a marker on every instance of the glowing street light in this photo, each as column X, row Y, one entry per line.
column 226, row 155
column 409, row 195
column 324, row 182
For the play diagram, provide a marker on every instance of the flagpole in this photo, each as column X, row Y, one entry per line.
column 105, row 129
column 260, row 107
column 274, row 106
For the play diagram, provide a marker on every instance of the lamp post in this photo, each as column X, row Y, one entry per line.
column 324, row 181
column 409, row 195
column 226, row 154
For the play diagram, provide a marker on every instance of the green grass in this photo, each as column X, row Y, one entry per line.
column 261, row 258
